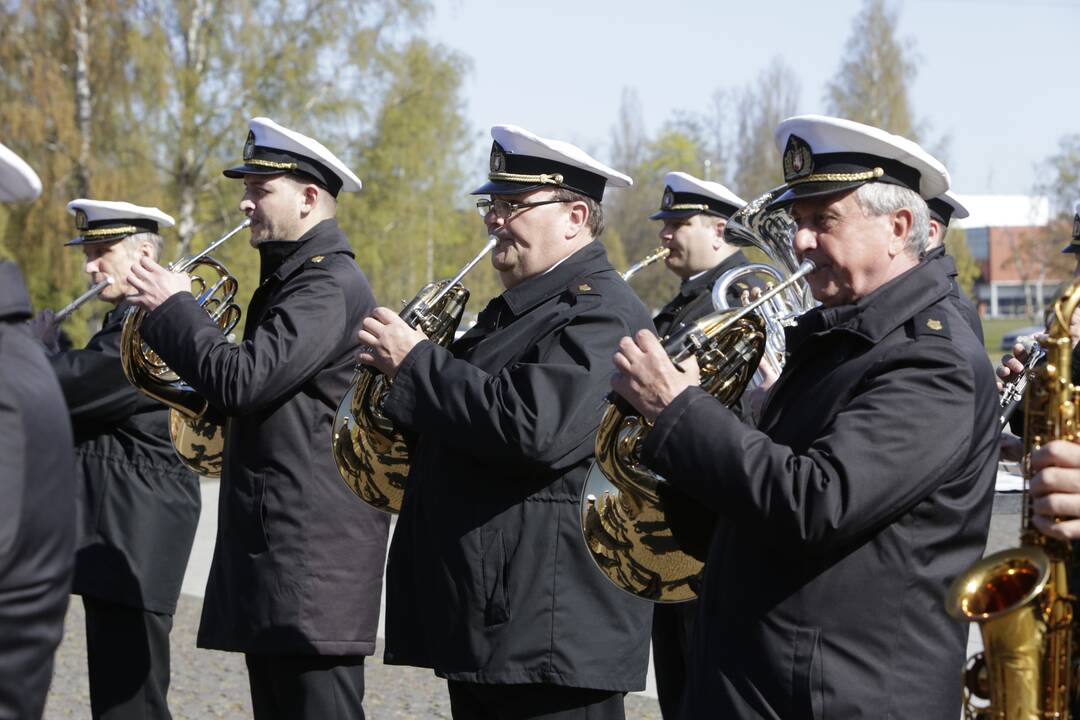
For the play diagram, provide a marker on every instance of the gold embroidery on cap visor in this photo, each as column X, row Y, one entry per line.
column 687, row 206
column 555, row 179
column 840, row 177
column 105, row 232
column 272, row 164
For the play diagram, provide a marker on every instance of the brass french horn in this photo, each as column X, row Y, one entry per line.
column 370, row 452
column 197, row 436
column 623, row 506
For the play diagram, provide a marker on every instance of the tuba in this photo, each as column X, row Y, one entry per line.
column 656, row 255
column 1020, row 597
column 371, row 454
column 623, row 507
column 197, row 436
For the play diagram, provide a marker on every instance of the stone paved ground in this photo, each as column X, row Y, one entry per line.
column 209, row 684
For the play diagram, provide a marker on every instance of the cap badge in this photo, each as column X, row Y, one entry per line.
column 497, row 162
column 81, row 222
column 668, row 200
column 1076, row 227
column 249, row 145
column 933, row 324
column 798, row 159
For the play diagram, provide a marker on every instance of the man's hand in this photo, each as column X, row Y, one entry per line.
column 1012, row 366
column 385, row 340
column 45, row 328
column 646, row 376
column 1055, row 489
column 1010, row 447
column 154, row 284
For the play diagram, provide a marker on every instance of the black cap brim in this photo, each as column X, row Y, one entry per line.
column 239, row 171
column 1071, row 249
column 815, row 189
column 501, row 187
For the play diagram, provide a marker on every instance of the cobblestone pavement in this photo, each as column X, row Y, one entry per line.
column 210, row 684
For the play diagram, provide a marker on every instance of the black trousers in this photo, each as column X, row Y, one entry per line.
column 673, row 627
column 306, row 687
column 474, row 701
column 127, row 654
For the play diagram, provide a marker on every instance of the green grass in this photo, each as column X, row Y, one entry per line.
column 994, row 328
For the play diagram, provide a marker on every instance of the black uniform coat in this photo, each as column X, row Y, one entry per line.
column 140, row 504
column 694, row 300
column 37, row 509
column 963, row 302
column 865, row 491
column 299, row 558
column 489, row 578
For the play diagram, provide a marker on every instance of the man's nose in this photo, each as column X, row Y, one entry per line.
column 246, row 204
column 804, row 240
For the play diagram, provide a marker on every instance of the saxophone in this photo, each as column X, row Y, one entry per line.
column 1020, row 597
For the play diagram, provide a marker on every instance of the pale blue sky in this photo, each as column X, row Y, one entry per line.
column 1001, row 78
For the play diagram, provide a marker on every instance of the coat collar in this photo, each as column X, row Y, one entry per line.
column 324, row 239
column 535, row 290
column 693, row 288
column 882, row 311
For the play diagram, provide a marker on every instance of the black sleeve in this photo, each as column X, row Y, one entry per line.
column 13, row 444
column 299, row 335
column 93, row 381
column 537, row 411
column 880, row 455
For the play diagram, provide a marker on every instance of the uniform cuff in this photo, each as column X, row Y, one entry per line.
column 400, row 404
column 656, row 451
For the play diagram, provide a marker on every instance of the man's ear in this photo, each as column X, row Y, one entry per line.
column 578, row 218
column 902, row 221
column 309, row 199
column 718, row 229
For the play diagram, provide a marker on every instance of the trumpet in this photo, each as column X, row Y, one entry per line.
column 656, row 255
column 370, row 452
column 197, row 437
column 65, row 312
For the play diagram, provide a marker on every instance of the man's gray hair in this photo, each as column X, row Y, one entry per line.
column 134, row 241
column 879, row 198
column 596, row 210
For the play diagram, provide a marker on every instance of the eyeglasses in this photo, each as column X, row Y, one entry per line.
column 504, row 208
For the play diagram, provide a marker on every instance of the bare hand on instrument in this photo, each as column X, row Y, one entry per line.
column 646, row 376
column 1012, row 366
column 385, row 340
column 1055, row 489
column 44, row 327
column 154, row 284
column 758, row 394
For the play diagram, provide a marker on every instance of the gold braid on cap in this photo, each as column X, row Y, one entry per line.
column 103, row 232
column 272, row 164
column 556, row 179
column 686, row 206
column 839, row 177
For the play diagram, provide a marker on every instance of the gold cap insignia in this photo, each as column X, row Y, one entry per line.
column 668, row 199
column 249, row 146
column 497, row 161
column 933, row 324
column 798, row 159
column 81, row 222
column 1076, row 227
column 318, row 258
column 584, row 287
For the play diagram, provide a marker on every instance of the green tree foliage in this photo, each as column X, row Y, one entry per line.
column 871, row 85
column 171, row 85
column 967, row 269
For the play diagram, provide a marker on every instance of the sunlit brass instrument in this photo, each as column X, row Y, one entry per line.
column 62, row 314
column 371, row 453
column 623, row 513
column 656, row 255
column 1020, row 597
column 197, row 436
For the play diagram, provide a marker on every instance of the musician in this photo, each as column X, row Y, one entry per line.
column 37, row 487
column 942, row 211
column 140, row 504
column 489, row 582
column 296, row 576
column 694, row 213
column 867, row 487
